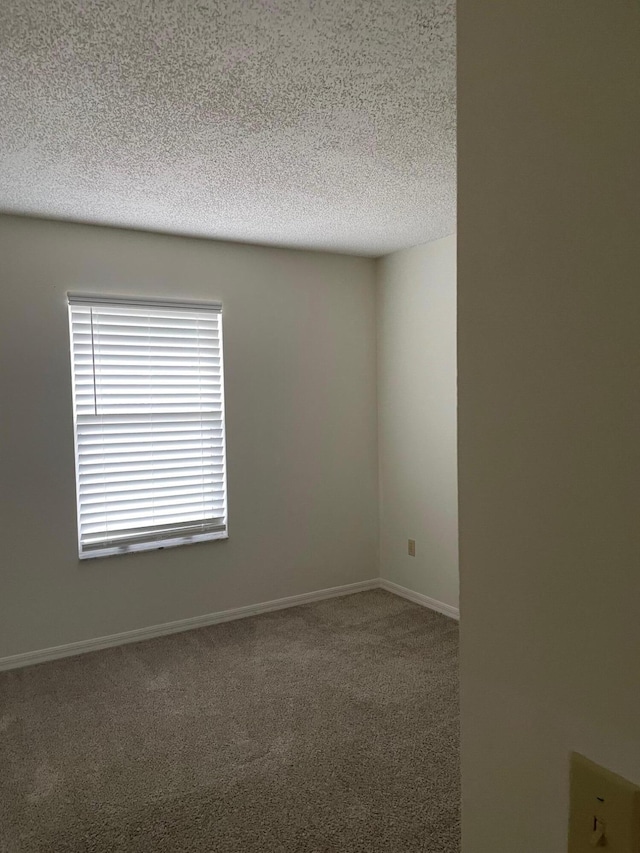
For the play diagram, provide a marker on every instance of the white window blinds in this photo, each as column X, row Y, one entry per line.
column 148, row 396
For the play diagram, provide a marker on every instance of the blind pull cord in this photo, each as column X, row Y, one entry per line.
column 93, row 361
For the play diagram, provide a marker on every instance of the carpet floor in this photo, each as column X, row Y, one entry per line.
column 327, row 727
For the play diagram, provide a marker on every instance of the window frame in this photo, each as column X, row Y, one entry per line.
column 159, row 544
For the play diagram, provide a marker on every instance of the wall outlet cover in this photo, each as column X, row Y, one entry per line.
column 604, row 809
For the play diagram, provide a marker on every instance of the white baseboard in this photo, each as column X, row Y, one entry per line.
column 418, row 598
column 138, row 634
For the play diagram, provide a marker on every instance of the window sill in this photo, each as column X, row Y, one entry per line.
column 159, row 545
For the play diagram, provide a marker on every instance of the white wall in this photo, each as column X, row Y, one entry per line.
column 417, row 419
column 549, row 420
column 302, row 445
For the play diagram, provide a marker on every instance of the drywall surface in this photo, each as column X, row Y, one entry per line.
column 417, row 419
column 548, row 382
column 299, row 331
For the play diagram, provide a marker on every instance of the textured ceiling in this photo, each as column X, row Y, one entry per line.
column 324, row 124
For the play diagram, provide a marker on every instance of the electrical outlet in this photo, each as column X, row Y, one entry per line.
column 412, row 547
column 604, row 810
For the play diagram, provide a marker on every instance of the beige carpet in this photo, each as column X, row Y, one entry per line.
column 328, row 727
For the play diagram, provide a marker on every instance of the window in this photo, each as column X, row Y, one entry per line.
column 148, row 398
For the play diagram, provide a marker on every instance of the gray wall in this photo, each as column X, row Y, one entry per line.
column 417, row 419
column 549, row 379
column 302, row 446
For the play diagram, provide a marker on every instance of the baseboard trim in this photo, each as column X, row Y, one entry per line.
column 139, row 634
column 418, row 598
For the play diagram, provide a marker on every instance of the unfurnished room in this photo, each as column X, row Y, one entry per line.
column 230, row 584
column 318, row 426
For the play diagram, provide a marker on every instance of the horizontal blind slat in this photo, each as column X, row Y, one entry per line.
column 96, row 493
column 151, row 383
column 119, row 325
column 210, row 429
column 139, row 408
column 122, row 325
column 109, row 454
column 181, row 418
column 175, row 361
column 143, row 371
column 145, row 520
column 127, row 470
column 143, row 509
column 130, row 464
column 118, row 436
column 108, row 478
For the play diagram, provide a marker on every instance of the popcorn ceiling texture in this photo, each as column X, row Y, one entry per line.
column 326, row 124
